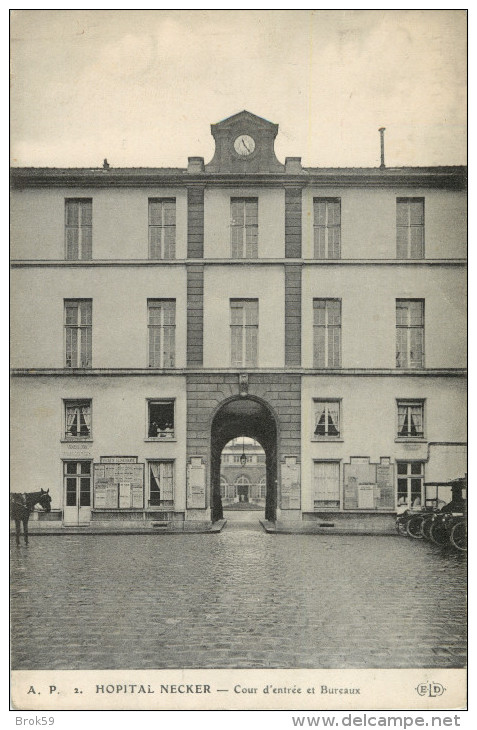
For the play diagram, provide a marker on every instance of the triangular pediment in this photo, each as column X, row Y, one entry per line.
column 258, row 156
column 247, row 118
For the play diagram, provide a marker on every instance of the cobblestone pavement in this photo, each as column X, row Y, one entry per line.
column 238, row 599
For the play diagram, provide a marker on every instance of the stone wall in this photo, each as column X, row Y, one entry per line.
column 205, row 393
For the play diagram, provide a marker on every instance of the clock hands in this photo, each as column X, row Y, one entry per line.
column 244, row 145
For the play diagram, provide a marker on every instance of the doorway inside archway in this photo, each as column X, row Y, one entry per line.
column 242, row 425
column 243, row 481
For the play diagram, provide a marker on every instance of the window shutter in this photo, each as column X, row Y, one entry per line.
column 86, row 243
column 169, row 346
column 417, row 348
column 154, row 347
column 72, row 240
column 417, row 242
column 170, row 243
column 85, row 347
column 319, row 350
column 167, row 481
column 155, row 242
column 251, row 346
column 85, row 312
column 236, row 346
column 72, row 213
column 416, row 212
column 402, row 242
column 237, row 242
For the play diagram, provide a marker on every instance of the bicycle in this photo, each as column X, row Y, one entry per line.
column 458, row 533
column 438, row 531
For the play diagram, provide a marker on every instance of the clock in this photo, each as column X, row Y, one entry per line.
column 244, row 145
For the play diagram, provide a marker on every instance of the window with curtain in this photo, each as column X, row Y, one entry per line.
column 410, row 228
column 78, row 419
column 327, row 228
column 410, row 419
column 162, row 332
column 161, row 483
column 327, row 333
column 78, row 333
column 162, row 228
column 327, row 419
column 78, row 228
column 244, row 228
column 244, row 332
column 409, row 333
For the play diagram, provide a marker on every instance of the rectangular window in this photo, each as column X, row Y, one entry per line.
column 162, row 228
column 410, row 419
column 161, row 484
column 327, row 419
column 410, row 228
column 244, row 228
column 409, row 333
column 410, row 481
column 77, row 480
column 77, row 419
column 327, row 333
column 78, row 333
column 327, row 228
column 326, row 484
column 162, row 332
column 160, row 419
column 244, row 332
column 78, row 228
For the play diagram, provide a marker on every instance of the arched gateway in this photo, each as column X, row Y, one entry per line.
column 252, row 417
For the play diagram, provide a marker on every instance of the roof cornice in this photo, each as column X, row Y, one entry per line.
column 433, row 177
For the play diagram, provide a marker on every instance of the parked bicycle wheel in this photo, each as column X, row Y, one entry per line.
column 414, row 527
column 426, row 525
column 401, row 526
column 438, row 533
column 458, row 536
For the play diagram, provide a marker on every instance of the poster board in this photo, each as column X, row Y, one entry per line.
column 196, row 483
column 368, row 485
column 118, row 485
column 290, row 484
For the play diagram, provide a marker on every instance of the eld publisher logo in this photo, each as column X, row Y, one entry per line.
column 430, row 689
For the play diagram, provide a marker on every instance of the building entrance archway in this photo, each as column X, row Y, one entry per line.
column 250, row 417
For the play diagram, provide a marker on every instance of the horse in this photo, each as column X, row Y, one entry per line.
column 22, row 505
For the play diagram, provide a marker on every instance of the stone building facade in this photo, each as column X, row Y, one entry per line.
column 159, row 313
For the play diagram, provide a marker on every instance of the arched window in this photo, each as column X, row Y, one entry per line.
column 263, row 487
column 223, row 487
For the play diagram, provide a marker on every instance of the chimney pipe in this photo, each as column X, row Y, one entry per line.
column 381, row 132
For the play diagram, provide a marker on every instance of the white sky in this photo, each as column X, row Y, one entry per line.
column 141, row 87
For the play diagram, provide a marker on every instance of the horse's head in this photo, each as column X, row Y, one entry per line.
column 45, row 500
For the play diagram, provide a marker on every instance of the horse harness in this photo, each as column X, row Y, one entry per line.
column 20, row 500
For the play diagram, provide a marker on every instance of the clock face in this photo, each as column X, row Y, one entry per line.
column 244, row 145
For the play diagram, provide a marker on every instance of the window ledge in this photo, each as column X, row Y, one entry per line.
column 76, row 441
column 410, row 440
column 327, row 439
column 161, row 439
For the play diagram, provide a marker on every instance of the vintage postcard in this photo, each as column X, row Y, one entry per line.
column 238, row 329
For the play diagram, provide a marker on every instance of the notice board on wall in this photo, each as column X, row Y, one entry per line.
column 290, row 484
column 196, row 483
column 118, row 485
column 368, row 486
